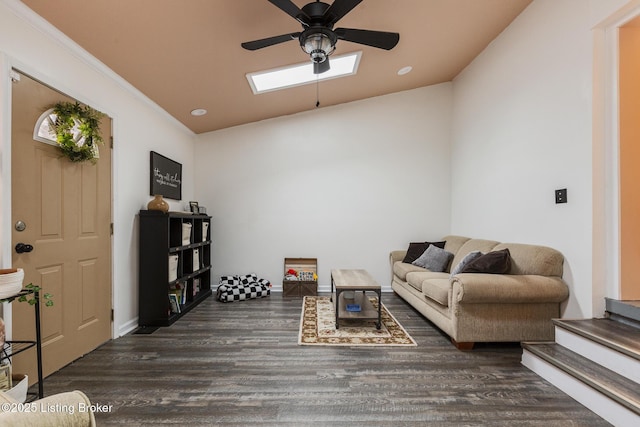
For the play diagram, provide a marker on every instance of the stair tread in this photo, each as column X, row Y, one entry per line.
column 621, row 389
column 615, row 335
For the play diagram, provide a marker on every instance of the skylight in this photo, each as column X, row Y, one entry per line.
column 302, row 74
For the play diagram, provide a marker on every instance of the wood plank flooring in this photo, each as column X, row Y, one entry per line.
column 239, row 364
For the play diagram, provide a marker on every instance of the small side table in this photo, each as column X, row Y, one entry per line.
column 358, row 281
column 11, row 348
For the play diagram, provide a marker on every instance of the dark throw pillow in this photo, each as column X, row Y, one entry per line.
column 496, row 262
column 468, row 259
column 434, row 259
column 417, row 248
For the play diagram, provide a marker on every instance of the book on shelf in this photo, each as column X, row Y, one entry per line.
column 353, row 307
column 180, row 291
column 175, row 305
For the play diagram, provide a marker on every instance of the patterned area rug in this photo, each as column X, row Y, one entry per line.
column 318, row 327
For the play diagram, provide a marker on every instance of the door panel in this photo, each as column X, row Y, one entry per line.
column 51, row 182
column 67, row 209
column 50, row 278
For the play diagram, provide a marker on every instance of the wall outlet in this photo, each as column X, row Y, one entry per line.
column 561, row 195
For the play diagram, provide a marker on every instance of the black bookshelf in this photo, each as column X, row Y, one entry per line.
column 162, row 237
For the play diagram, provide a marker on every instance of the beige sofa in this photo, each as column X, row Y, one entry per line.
column 480, row 307
column 71, row 409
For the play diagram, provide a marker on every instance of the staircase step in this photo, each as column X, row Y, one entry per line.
column 624, row 310
column 618, row 388
column 617, row 336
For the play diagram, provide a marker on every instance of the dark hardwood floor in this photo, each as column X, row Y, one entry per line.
column 239, row 364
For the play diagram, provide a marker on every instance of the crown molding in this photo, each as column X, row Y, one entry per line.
column 43, row 26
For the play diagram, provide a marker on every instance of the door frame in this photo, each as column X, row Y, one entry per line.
column 606, row 255
column 7, row 64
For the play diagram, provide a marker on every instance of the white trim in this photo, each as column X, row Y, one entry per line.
column 5, row 162
column 598, row 403
column 5, row 180
column 612, row 165
column 127, row 327
column 114, row 202
column 41, row 25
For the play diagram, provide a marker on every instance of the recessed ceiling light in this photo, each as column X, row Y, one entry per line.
column 302, row 74
column 404, row 70
column 198, row 112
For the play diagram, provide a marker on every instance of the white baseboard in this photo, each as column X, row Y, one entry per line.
column 127, row 327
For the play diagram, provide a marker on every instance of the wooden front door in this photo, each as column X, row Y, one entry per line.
column 66, row 208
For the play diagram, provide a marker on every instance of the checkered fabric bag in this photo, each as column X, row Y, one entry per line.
column 229, row 281
column 264, row 282
column 240, row 288
column 248, row 279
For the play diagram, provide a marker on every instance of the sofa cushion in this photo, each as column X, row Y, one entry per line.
column 454, row 243
column 471, row 256
column 417, row 248
column 437, row 290
column 494, row 262
column 434, row 259
column 401, row 269
column 416, row 278
column 533, row 259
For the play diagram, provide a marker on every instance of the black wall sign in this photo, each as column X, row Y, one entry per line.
column 166, row 177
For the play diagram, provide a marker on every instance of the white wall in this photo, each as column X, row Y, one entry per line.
column 345, row 191
column 522, row 127
column 344, row 184
column 30, row 44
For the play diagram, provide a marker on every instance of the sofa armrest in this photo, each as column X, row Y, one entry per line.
column 395, row 256
column 59, row 410
column 478, row 288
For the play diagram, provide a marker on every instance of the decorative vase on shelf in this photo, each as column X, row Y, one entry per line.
column 158, row 204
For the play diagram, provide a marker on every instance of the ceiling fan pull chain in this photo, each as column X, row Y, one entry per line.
column 317, row 91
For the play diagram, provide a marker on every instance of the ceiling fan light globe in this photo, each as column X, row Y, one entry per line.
column 316, row 41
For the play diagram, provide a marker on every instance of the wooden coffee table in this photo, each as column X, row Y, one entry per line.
column 358, row 281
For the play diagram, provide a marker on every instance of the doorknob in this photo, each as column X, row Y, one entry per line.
column 22, row 247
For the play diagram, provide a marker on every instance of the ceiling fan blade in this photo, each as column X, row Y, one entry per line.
column 292, row 10
column 379, row 39
column 338, row 9
column 321, row 67
column 270, row 41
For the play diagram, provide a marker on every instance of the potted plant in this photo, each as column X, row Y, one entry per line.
column 10, row 282
column 16, row 385
column 32, row 299
column 8, row 290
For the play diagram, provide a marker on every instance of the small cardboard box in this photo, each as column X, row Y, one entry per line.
column 307, row 269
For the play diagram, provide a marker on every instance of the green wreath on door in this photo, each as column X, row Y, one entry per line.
column 77, row 129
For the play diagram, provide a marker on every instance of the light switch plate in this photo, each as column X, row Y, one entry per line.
column 561, row 195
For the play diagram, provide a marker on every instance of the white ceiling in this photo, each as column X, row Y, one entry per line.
column 186, row 54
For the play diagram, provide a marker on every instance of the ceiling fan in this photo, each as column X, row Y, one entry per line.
column 318, row 38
